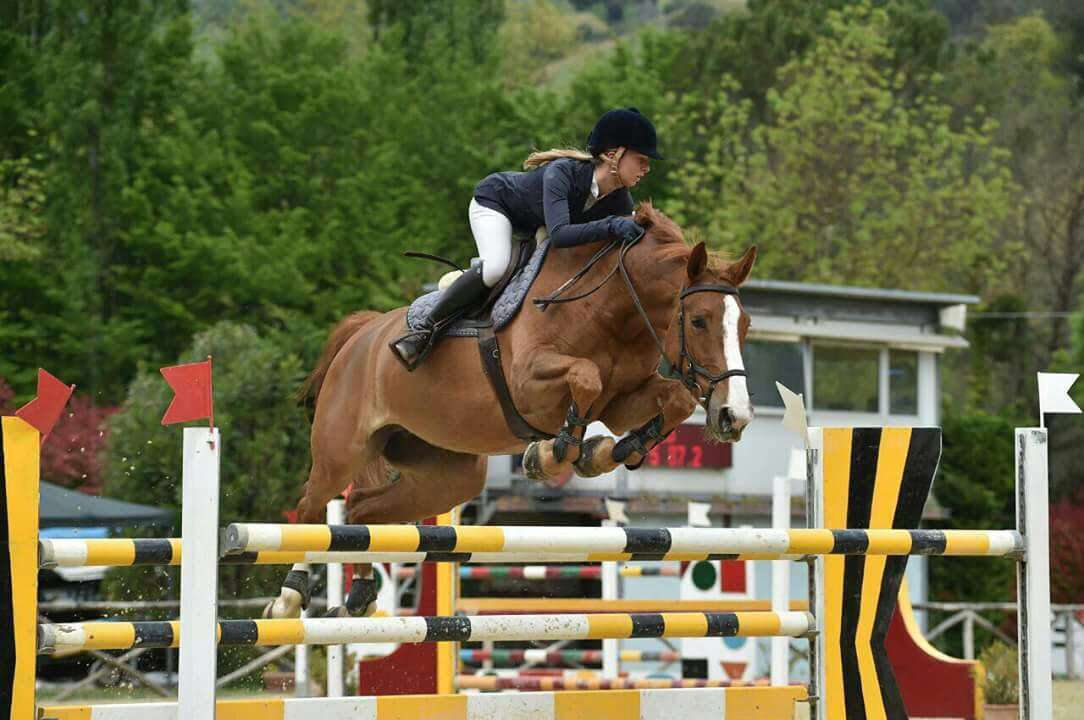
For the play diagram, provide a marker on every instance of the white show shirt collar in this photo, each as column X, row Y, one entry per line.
column 592, row 198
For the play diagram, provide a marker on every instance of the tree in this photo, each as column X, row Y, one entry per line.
column 22, row 201
column 264, row 435
column 467, row 27
column 109, row 75
column 1013, row 73
column 752, row 46
column 855, row 178
column 975, row 486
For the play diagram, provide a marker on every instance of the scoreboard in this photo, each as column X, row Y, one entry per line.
column 687, row 447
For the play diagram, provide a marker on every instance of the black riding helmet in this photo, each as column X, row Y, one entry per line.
column 623, row 127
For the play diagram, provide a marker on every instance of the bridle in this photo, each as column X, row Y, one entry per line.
column 687, row 370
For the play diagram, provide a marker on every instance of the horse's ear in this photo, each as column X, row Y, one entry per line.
column 740, row 270
column 698, row 261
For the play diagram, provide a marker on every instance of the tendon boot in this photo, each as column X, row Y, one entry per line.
column 412, row 347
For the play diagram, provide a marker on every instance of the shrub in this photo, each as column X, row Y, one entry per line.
column 1002, row 673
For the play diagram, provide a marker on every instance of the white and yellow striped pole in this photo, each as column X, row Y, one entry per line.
column 71, row 637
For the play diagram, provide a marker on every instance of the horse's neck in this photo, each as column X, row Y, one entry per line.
column 658, row 282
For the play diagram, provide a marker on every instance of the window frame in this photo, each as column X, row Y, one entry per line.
column 883, row 380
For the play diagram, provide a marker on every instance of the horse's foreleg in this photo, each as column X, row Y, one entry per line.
column 546, row 459
column 654, row 410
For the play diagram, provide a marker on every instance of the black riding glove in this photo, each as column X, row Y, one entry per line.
column 625, row 228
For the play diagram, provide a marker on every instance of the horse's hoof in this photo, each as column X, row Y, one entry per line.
column 361, row 602
column 586, row 465
column 285, row 607
column 337, row 612
column 532, row 463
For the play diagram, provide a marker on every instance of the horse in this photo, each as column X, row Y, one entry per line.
column 638, row 354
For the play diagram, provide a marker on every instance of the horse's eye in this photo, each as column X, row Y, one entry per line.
column 700, row 323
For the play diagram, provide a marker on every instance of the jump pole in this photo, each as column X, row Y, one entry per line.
column 780, row 653
column 198, row 658
column 1033, row 574
column 336, row 513
column 19, row 498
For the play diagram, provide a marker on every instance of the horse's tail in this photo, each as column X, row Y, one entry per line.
column 310, row 389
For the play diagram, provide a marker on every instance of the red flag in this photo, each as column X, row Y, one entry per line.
column 43, row 411
column 192, row 392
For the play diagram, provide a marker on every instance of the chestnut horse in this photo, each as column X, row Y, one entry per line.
column 414, row 445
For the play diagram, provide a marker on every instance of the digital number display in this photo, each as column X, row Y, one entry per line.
column 687, row 447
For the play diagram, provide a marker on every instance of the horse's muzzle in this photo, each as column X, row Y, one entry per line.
column 727, row 426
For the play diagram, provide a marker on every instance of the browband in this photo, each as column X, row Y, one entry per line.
column 721, row 288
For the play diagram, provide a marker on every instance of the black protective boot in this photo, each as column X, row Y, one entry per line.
column 412, row 347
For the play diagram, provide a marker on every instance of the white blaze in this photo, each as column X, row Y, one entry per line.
column 737, row 396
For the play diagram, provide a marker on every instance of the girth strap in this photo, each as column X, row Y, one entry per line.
column 490, row 351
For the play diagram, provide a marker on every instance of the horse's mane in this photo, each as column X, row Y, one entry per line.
column 671, row 238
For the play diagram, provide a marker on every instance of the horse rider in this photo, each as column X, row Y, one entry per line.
column 580, row 197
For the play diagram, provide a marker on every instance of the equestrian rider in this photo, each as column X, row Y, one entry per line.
column 579, row 197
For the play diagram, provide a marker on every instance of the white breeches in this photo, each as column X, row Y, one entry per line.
column 493, row 235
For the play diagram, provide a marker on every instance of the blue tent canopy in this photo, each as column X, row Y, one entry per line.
column 61, row 507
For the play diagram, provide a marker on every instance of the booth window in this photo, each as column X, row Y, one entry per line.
column 846, row 378
column 769, row 361
column 902, row 382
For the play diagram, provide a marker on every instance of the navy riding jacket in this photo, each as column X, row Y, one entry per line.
column 554, row 195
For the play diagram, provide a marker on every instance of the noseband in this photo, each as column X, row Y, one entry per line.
column 688, row 369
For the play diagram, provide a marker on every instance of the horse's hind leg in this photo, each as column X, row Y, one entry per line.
column 426, row 481
column 341, row 449
column 324, row 486
column 430, row 481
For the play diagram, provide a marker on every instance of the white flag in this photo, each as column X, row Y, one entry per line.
column 794, row 412
column 698, row 514
column 616, row 511
column 1054, row 394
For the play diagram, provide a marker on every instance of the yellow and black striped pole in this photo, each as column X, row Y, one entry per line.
column 74, row 637
column 19, row 448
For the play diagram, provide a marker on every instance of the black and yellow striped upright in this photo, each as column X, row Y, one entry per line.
column 870, row 478
column 19, row 444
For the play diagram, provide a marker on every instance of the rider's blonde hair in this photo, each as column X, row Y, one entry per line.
column 541, row 157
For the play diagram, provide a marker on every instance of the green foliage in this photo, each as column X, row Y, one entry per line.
column 1013, row 73
column 1002, row 686
column 22, row 199
column 851, row 170
column 465, row 28
column 265, row 454
column 976, row 485
column 535, row 35
column 751, row 47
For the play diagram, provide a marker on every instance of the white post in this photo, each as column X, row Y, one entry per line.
column 610, row 648
column 336, row 515
column 780, row 581
column 301, row 656
column 199, row 578
column 1033, row 575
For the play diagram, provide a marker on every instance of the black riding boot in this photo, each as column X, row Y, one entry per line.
column 412, row 347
